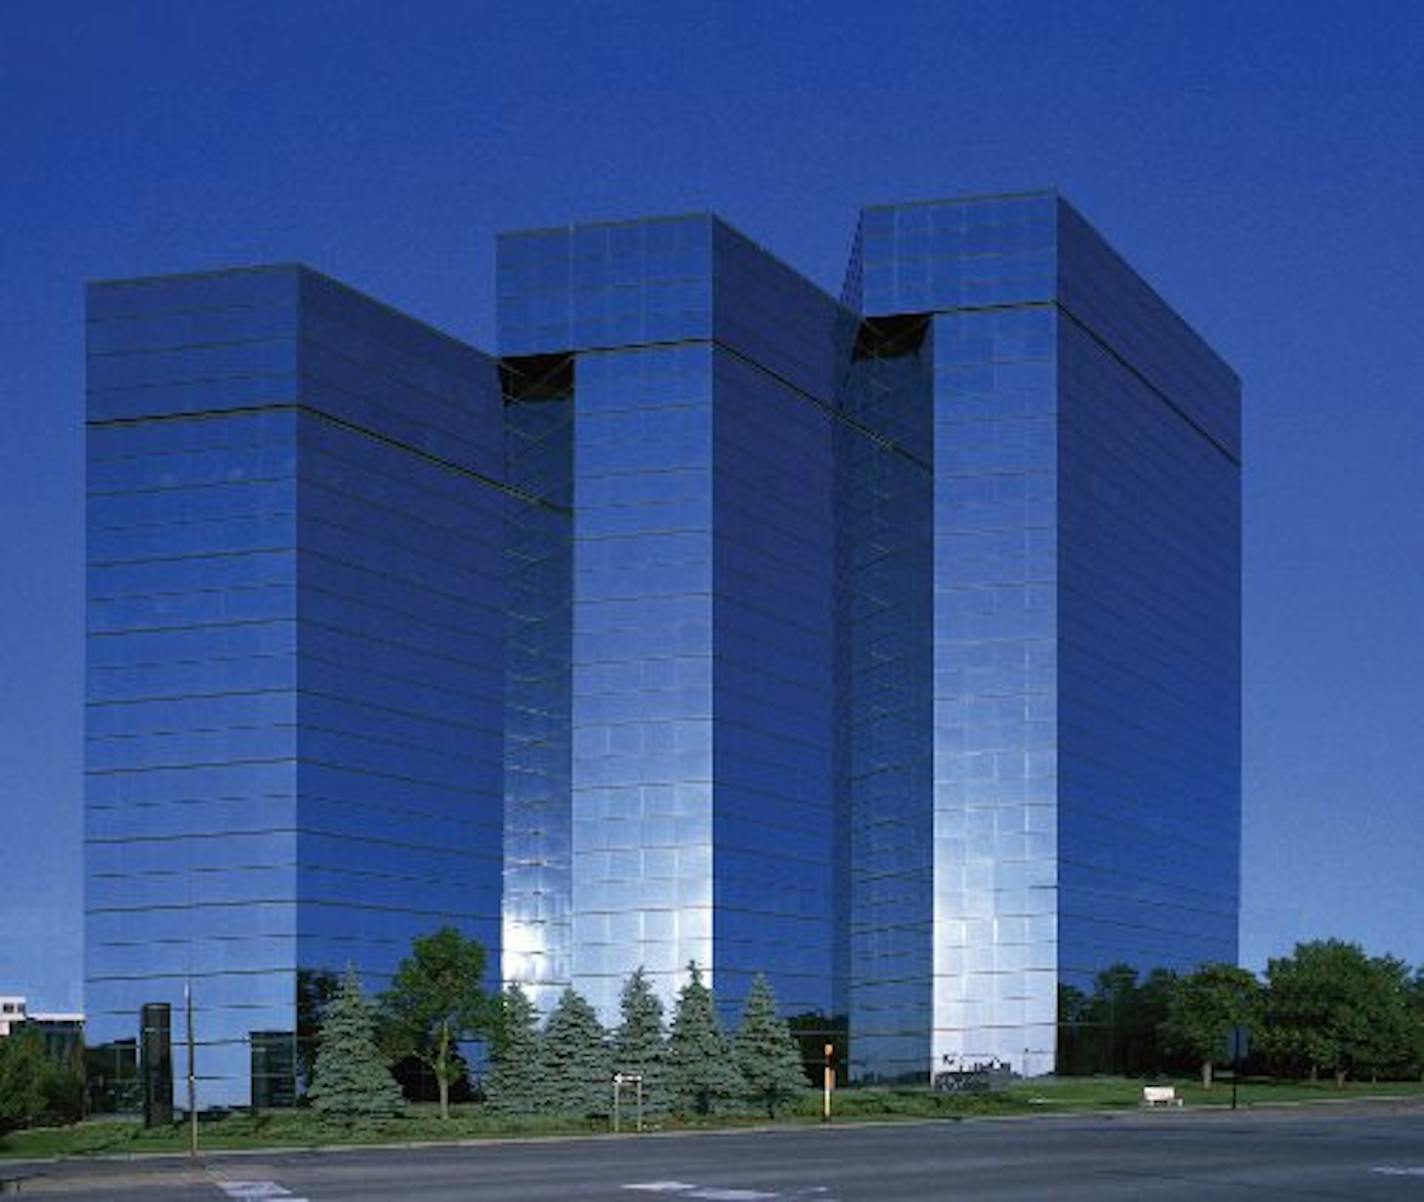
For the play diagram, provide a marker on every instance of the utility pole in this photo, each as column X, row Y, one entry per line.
column 192, row 1075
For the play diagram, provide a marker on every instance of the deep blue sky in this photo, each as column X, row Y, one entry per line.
column 1262, row 164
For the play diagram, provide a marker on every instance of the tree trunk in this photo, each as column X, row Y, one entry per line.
column 442, row 1069
column 1339, row 1078
column 1206, row 1074
column 1314, row 1073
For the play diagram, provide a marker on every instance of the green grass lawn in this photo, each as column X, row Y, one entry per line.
column 1100, row 1093
column 302, row 1128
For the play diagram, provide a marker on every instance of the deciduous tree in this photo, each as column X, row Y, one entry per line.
column 37, row 1086
column 1384, row 1000
column 435, row 1001
column 1318, row 1006
column 1415, row 1004
column 1204, row 1006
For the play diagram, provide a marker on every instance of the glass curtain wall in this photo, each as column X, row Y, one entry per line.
column 538, row 835
column 190, row 765
column 295, row 655
column 1086, row 620
column 702, row 601
column 1150, row 568
column 889, row 646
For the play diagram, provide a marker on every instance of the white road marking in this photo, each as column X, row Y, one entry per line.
column 713, row 1194
column 256, row 1191
column 718, row 1193
column 1390, row 1170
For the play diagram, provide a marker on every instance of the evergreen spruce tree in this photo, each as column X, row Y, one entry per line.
column 350, row 1077
column 701, row 1074
column 639, row 1044
column 575, row 1065
column 766, row 1053
column 512, row 1086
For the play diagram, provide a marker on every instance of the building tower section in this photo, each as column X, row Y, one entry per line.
column 295, row 650
column 702, row 379
column 1086, row 627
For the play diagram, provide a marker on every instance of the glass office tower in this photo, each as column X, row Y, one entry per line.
column 700, row 820
column 1086, row 626
column 296, row 608
column 888, row 645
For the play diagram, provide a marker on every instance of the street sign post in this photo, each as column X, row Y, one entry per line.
column 620, row 1080
column 1238, row 1047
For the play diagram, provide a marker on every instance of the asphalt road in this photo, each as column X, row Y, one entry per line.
column 1355, row 1153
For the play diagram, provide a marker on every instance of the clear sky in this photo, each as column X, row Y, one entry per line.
column 1262, row 164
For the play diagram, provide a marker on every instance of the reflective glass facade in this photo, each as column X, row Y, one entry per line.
column 888, row 645
column 885, row 690
column 1086, row 628
column 295, row 653
column 701, row 804
column 538, row 718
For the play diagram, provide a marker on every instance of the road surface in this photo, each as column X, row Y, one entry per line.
column 1350, row 1152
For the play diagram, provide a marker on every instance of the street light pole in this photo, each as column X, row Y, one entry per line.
column 192, row 1075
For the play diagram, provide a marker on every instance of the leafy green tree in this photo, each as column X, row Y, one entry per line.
column 65, row 1086
column 1385, row 1047
column 23, row 1065
column 766, row 1054
column 575, row 1067
column 350, row 1076
column 701, row 1073
column 434, row 1002
column 639, row 1044
column 1321, row 1001
column 1415, row 1007
column 512, row 1085
column 37, row 1086
column 1204, row 1006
